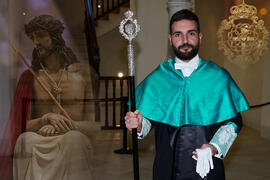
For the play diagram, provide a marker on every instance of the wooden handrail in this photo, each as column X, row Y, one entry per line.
column 102, row 8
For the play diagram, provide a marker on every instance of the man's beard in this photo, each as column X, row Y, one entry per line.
column 186, row 55
column 48, row 51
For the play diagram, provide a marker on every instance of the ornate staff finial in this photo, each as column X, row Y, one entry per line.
column 129, row 29
column 129, row 26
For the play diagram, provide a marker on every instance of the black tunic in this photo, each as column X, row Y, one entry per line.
column 174, row 147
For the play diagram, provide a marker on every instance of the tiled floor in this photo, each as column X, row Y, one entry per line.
column 248, row 159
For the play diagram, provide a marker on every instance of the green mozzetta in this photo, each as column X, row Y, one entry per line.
column 208, row 96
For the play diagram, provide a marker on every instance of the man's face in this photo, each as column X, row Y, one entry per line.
column 185, row 39
column 43, row 43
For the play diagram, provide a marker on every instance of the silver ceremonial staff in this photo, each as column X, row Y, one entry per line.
column 129, row 29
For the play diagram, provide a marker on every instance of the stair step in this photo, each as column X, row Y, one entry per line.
column 105, row 26
column 116, row 11
column 104, row 17
column 126, row 5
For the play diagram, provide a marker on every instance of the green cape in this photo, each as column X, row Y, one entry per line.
column 208, row 96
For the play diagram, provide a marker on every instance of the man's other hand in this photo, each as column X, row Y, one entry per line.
column 212, row 147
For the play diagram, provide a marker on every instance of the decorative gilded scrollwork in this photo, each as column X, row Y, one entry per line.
column 243, row 36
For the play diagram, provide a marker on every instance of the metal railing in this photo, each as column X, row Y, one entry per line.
column 112, row 85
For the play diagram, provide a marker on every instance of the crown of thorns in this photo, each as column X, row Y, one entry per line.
column 44, row 22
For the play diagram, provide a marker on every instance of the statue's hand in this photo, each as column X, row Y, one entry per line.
column 59, row 122
column 47, row 130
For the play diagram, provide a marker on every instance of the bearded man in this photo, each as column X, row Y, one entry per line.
column 194, row 106
column 53, row 146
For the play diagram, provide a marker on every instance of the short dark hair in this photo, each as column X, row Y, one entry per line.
column 184, row 14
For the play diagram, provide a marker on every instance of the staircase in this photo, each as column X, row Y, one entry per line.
column 110, row 21
column 106, row 19
column 108, row 14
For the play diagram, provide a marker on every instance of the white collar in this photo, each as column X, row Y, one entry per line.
column 193, row 63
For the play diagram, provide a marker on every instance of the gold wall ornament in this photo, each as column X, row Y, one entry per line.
column 243, row 37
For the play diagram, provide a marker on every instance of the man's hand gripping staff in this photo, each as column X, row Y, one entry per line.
column 134, row 120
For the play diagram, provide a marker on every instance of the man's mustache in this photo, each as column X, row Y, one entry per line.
column 185, row 45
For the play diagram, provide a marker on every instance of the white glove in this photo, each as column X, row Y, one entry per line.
column 204, row 161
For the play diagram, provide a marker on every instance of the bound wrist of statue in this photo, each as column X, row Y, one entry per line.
column 44, row 119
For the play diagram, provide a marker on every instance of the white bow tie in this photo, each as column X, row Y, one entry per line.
column 184, row 65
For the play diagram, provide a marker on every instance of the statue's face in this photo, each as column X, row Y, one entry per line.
column 43, row 43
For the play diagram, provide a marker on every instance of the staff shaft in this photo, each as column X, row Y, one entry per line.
column 134, row 131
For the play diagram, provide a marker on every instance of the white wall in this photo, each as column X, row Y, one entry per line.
column 265, row 111
column 113, row 54
column 151, row 47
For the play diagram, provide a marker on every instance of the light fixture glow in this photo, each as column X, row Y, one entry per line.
column 24, row 13
column 263, row 11
column 99, row 6
column 120, row 74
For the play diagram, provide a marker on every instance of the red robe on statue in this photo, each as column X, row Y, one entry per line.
column 16, row 123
